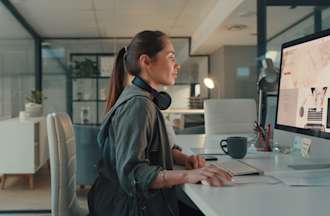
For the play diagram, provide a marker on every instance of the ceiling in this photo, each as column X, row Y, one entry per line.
column 10, row 28
column 205, row 21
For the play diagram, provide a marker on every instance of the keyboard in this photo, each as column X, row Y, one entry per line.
column 238, row 167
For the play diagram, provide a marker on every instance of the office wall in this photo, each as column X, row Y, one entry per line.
column 326, row 19
column 17, row 69
column 180, row 96
column 304, row 28
column 234, row 71
column 56, row 63
column 54, row 79
column 202, row 73
column 217, row 72
column 17, row 75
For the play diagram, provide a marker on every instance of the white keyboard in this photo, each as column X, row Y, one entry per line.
column 237, row 167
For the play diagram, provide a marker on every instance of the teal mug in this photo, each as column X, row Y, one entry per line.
column 236, row 147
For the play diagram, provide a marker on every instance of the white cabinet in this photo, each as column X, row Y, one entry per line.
column 23, row 147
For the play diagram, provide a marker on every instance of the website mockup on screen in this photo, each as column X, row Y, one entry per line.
column 304, row 86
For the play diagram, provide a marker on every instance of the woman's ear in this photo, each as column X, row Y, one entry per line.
column 144, row 61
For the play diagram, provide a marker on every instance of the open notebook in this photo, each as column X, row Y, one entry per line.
column 238, row 167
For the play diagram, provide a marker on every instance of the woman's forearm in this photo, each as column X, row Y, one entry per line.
column 211, row 173
column 179, row 157
column 168, row 178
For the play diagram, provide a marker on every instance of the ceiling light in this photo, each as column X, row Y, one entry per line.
column 236, row 27
column 45, row 44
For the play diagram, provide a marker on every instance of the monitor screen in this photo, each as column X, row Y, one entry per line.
column 303, row 97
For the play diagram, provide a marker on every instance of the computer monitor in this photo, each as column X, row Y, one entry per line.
column 303, row 104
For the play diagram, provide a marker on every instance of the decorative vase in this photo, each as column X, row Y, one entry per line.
column 33, row 109
column 84, row 115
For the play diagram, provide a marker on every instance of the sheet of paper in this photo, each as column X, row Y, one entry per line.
column 320, row 177
column 306, row 144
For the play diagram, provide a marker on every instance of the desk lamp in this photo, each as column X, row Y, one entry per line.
column 267, row 82
column 209, row 83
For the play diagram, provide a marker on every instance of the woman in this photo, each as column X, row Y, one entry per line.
column 136, row 175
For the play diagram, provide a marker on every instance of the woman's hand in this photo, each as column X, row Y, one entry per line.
column 194, row 162
column 214, row 175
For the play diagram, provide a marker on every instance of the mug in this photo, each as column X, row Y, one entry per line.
column 236, row 146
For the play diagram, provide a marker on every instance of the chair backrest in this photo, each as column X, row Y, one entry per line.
column 87, row 154
column 63, row 164
column 229, row 116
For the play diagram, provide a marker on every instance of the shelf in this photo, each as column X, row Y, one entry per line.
column 87, row 94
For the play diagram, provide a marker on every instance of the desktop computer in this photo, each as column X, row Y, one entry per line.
column 303, row 103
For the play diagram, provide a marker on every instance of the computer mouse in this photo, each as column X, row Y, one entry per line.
column 226, row 183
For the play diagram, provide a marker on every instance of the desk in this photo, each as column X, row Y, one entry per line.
column 257, row 199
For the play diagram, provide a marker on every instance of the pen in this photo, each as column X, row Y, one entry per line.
column 267, row 147
column 260, row 130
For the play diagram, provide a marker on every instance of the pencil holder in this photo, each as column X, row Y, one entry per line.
column 262, row 143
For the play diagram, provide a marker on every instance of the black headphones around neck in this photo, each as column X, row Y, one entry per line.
column 161, row 99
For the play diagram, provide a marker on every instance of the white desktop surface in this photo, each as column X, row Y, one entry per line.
column 255, row 199
column 183, row 111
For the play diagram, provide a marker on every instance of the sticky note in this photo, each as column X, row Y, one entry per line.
column 305, row 147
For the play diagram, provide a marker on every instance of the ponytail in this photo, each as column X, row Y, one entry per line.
column 118, row 80
column 145, row 42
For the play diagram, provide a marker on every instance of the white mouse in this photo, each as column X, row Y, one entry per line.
column 226, row 183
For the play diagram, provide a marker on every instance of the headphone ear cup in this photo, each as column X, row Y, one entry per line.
column 163, row 100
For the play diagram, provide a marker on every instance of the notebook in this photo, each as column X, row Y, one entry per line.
column 238, row 167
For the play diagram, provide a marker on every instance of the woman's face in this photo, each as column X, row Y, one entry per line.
column 163, row 68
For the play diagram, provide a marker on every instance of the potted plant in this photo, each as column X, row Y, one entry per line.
column 34, row 105
column 85, row 68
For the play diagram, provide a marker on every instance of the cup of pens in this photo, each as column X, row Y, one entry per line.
column 263, row 138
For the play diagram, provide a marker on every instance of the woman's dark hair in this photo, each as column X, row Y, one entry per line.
column 145, row 42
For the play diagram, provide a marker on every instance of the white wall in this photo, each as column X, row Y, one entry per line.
column 217, row 72
column 202, row 73
column 180, row 96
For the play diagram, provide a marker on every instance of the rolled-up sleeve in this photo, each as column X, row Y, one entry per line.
column 133, row 128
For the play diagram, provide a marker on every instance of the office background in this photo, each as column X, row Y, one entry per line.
column 221, row 39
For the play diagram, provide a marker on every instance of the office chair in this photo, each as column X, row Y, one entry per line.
column 87, row 154
column 62, row 155
column 229, row 116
